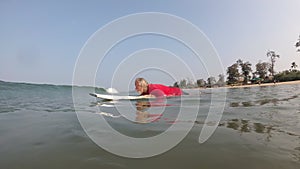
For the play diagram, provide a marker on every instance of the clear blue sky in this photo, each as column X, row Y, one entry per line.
column 41, row 40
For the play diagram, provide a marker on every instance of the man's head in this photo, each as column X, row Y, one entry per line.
column 141, row 85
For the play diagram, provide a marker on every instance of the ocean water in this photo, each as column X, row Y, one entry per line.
column 39, row 128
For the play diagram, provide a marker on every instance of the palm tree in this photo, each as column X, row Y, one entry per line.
column 211, row 81
column 233, row 74
column 294, row 66
column 298, row 44
column 246, row 69
column 262, row 69
column 273, row 57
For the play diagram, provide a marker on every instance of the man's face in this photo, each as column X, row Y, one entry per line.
column 138, row 88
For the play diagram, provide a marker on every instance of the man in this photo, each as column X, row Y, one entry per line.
column 158, row 90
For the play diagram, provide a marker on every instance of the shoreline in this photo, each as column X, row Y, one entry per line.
column 252, row 85
column 265, row 84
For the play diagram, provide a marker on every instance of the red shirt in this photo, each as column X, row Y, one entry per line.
column 159, row 90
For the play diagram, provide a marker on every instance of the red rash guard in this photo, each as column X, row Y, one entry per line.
column 159, row 90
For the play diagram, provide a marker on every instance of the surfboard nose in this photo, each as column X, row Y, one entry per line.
column 93, row 94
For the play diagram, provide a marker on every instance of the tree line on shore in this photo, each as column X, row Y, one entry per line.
column 241, row 73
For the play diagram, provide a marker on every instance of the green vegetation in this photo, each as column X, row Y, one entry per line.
column 246, row 70
column 211, row 82
column 288, row 75
column 262, row 69
column 273, row 57
column 233, row 74
column 298, row 45
column 241, row 73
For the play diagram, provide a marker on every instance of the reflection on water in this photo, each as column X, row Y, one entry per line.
column 296, row 155
column 246, row 126
column 260, row 128
column 268, row 134
column 261, row 102
column 239, row 124
column 142, row 113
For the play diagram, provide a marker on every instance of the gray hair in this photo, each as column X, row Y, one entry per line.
column 143, row 83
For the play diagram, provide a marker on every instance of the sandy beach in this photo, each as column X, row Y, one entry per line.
column 265, row 84
column 253, row 85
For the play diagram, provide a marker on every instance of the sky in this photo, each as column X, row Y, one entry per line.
column 41, row 41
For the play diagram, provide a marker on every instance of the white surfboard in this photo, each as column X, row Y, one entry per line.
column 117, row 97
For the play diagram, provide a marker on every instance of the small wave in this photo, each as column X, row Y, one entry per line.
column 107, row 105
column 109, row 115
column 112, row 90
column 34, row 86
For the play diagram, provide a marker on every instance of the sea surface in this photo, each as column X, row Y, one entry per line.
column 39, row 128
